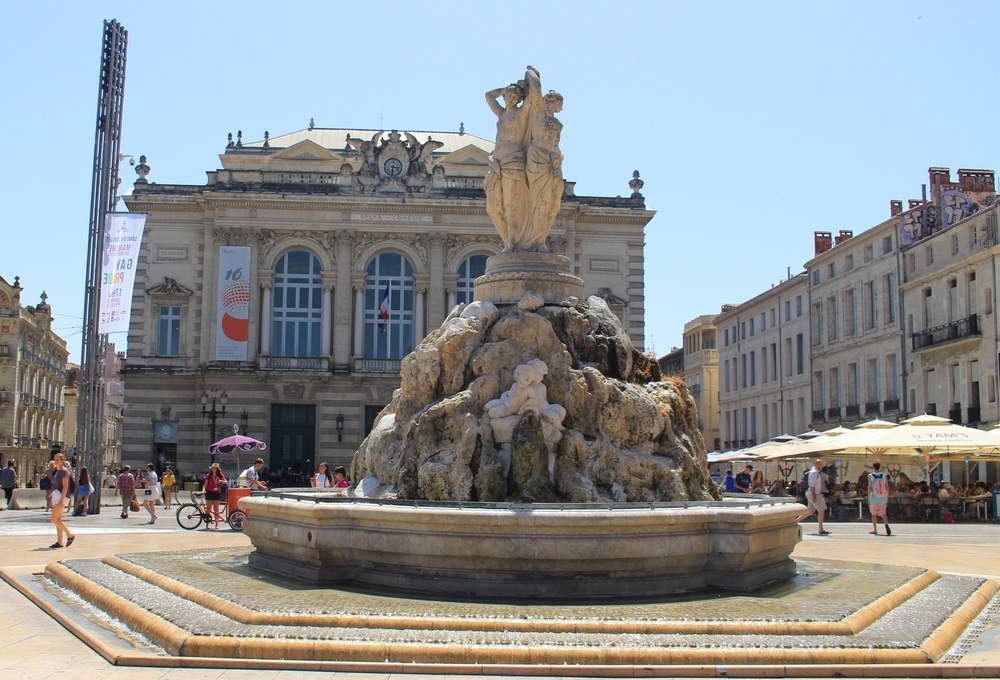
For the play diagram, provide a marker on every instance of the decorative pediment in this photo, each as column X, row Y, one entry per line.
column 467, row 155
column 306, row 150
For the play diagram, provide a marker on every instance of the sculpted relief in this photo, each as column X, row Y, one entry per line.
column 391, row 165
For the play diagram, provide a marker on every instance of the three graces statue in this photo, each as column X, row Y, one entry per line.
column 524, row 185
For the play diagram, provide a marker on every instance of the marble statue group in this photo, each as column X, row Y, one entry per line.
column 524, row 185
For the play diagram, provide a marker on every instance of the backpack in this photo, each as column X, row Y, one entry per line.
column 45, row 483
column 880, row 489
column 72, row 482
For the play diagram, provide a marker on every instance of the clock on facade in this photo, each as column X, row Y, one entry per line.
column 392, row 167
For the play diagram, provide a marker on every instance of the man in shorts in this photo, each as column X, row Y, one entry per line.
column 816, row 503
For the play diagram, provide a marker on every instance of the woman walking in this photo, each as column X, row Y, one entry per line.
column 60, row 492
column 212, row 488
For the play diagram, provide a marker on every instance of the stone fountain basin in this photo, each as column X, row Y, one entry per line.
column 483, row 551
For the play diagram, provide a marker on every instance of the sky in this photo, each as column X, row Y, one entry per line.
column 752, row 124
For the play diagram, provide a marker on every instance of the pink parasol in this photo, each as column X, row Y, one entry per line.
column 236, row 442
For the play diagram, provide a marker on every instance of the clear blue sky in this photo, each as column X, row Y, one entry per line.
column 753, row 124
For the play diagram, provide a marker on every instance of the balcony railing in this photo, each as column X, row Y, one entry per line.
column 833, row 412
column 819, row 414
column 377, row 365
column 890, row 405
column 871, row 408
column 949, row 332
column 853, row 410
column 294, row 363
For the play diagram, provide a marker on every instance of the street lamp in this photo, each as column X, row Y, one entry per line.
column 244, row 421
column 213, row 414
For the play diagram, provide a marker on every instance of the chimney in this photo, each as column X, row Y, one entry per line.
column 843, row 236
column 976, row 181
column 823, row 241
column 939, row 176
column 727, row 307
column 914, row 203
column 895, row 207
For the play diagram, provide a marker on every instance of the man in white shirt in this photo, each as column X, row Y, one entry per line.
column 814, row 497
column 252, row 478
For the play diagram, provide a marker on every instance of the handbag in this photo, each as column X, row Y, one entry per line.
column 134, row 505
column 151, row 493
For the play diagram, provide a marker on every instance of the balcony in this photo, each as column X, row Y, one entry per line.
column 313, row 364
column 871, row 408
column 949, row 332
column 377, row 365
column 853, row 411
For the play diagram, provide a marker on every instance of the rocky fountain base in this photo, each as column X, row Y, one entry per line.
column 531, row 452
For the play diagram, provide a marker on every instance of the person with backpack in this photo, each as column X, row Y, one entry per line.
column 878, row 498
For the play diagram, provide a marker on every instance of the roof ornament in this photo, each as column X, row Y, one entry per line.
column 267, row 140
column 461, row 128
column 230, row 145
column 312, row 123
column 239, row 139
column 142, row 170
column 635, row 184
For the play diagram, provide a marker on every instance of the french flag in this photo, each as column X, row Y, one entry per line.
column 383, row 308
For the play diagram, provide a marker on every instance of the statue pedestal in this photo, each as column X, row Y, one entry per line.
column 509, row 276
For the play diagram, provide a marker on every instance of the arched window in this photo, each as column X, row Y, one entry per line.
column 297, row 305
column 389, row 293
column 471, row 269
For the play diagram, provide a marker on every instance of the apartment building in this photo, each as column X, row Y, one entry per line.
column 701, row 373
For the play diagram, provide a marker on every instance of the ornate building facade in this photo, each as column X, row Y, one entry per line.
column 288, row 288
column 32, row 378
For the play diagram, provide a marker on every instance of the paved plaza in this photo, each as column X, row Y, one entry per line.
column 32, row 645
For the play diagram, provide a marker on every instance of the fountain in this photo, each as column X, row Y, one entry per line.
column 531, row 451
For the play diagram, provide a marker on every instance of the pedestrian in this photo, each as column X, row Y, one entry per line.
column 323, row 479
column 251, row 476
column 45, row 484
column 83, row 491
column 743, row 479
column 59, row 494
column 152, row 492
column 729, row 483
column 816, row 503
column 340, row 478
column 8, row 481
column 167, row 484
column 212, row 488
column 111, row 480
column 878, row 498
column 126, row 489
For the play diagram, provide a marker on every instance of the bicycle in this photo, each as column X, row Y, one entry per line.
column 192, row 515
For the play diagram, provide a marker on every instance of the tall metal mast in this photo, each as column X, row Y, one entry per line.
column 107, row 139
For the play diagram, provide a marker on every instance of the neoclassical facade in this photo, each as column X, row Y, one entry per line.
column 32, row 377
column 294, row 282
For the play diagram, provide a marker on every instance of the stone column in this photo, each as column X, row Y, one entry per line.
column 452, row 301
column 265, row 315
column 359, row 321
column 342, row 299
column 418, row 315
column 435, row 269
column 326, row 320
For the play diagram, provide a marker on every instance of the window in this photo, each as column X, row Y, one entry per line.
column 850, row 312
column 168, row 342
column 471, row 269
column 913, row 263
column 849, row 262
column 391, row 337
column 928, row 309
column 726, row 337
column 869, row 253
column 893, row 375
column 800, row 354
column 852, row 384
column 798, row 306
column 819, row 390
column 970, row 294
column 753, row 369
column 788, row 310
column 929, row 254
column 815, row 278
column 834, row 387
column 726, row 375
column 954, row 244
column 890, row 293
column 887, row 245
column 743, row 371
column 870, row 302
column 297, row 305
column 833, row 269
column 751, row 327
column 743, row 330
column 872, row 378
column 817, row 323
column 763, row 323
column 774, row 361
column 954, row 307
column 834, row 325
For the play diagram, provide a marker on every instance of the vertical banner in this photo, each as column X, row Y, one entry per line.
column 233, row 304
column 122, row 236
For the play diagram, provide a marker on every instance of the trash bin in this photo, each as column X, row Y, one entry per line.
column 233, row 498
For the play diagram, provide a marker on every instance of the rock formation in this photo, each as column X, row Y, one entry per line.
column 628, row 437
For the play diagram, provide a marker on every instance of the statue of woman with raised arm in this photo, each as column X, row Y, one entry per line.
column 543, row 164
column 506, row 183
